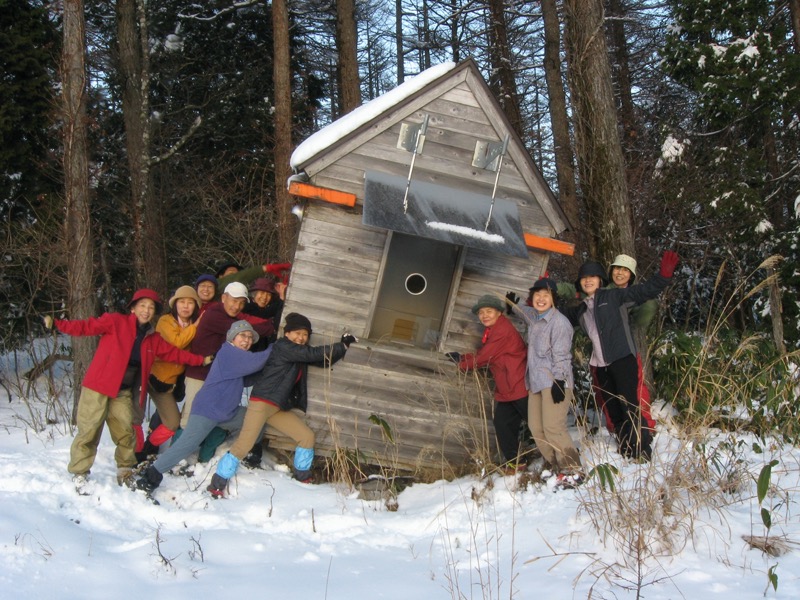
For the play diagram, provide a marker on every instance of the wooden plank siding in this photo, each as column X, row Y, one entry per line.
column 438, row 416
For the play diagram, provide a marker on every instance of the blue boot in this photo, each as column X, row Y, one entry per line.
column 303, row 458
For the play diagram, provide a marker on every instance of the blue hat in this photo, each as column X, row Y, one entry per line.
column 205, row 277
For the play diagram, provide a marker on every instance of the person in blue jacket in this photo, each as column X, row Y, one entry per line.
column 216, row 404
column 280, row 387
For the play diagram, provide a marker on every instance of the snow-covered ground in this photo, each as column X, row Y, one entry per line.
column 274, row 537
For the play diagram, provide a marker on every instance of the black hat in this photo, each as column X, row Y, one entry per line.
column 589, row 269
column 222, row 267
column 545, row 283
column 296, row 321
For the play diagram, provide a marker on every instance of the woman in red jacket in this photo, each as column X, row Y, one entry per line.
column 117, row 374
column 504, row 352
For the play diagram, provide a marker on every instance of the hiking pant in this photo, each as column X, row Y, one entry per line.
column 508, row 417
column 167, row 407
column 548, row 423
column 643, row 395
column 619, row 383
column 261, row 413
column 192, row 387
column 193, row 435
column 94, row 410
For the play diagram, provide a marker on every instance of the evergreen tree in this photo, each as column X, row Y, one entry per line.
column 738, row 174
column 28, row 47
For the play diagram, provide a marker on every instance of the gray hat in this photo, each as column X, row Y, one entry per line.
column 488, row 301
column 240, row 327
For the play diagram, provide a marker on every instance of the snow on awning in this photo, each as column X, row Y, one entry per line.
column 441, row 213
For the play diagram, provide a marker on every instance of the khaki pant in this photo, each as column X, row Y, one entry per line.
column 167, row 408
column 192, row 387
column 263, row 413
column 548, row 423
column 94, row 410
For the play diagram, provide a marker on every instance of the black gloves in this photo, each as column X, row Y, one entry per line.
column 348, row 338
column 511, row 298
column 454, row 356
column 558, row 390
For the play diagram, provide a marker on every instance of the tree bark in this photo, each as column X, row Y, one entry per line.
column 287, row 224
column 502, row 80
column 559, row 121
column 794, row 11
column 149, row 254
column 347, row 48
column 78, row 227
column 621, row 73
column 601, row 166
column 398, row 41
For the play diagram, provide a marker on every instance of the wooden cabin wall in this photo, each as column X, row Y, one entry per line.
column 437, row 416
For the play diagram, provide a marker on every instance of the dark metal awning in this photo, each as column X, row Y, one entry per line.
column 441, row 213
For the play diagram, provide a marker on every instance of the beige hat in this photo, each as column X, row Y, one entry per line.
column 185, row 291
column 236, row 290
column 623, row 260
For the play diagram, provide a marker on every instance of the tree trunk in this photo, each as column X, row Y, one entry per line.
column 502, row 80
column 601, row 167
column 398, row 41
column 347, row 48
column 621, row 73
column 78, row 227
column 559, row 120
column 149, row 254
column 776, row 311
column 794, row 11
column 287, row 224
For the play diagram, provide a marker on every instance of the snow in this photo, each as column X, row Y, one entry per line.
column 328, row 136
column 473, row 537
column 764, row 226
column 474, row 233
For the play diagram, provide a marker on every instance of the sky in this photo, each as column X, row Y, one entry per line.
column 481, row 536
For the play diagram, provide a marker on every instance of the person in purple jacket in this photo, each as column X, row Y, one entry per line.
column 217, row 404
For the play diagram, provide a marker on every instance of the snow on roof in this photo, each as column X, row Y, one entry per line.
column 327, row 136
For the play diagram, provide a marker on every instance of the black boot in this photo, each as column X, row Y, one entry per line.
column 253, row 458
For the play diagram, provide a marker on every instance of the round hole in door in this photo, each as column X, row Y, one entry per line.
column 416, row 284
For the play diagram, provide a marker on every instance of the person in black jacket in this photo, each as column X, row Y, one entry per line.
column 280, row 387
column 603, row 316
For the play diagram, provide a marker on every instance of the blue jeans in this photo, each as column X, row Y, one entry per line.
column 197, row 428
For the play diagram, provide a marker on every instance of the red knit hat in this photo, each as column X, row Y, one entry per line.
column 145, row 293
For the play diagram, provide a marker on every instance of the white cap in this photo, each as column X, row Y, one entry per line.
column 236, row 290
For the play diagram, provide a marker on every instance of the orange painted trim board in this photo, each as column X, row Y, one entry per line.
column 549, row 244
column 306, row 190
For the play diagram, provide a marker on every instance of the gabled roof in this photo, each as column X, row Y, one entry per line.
column 371, row 119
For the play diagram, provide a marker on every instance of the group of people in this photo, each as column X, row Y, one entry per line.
column 199, row 352
column 209, row 347
column 534, row 381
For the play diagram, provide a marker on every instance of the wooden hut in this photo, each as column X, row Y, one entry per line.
column 412, row 207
